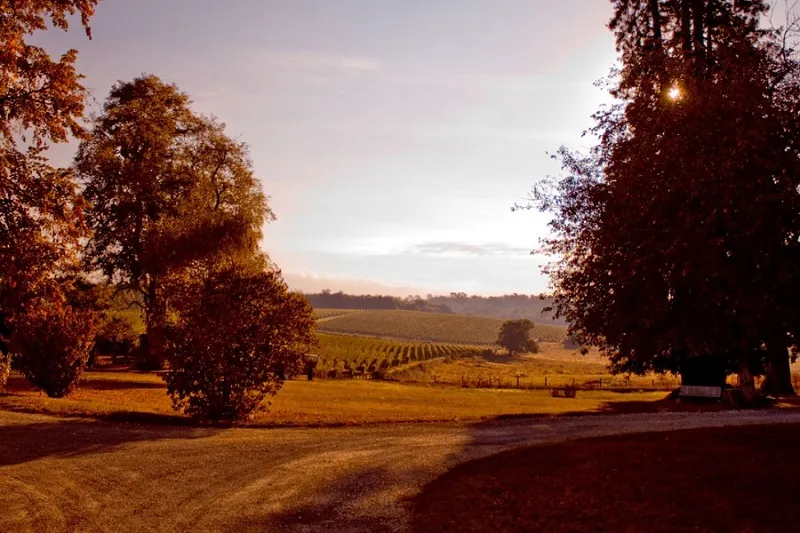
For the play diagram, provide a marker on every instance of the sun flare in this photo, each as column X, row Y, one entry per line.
column 674, row 93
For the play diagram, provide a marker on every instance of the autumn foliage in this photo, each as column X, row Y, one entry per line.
column 236, row 330
column 677, row 235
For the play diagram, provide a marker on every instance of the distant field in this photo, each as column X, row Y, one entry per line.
column 360, row 354
column 430, row 327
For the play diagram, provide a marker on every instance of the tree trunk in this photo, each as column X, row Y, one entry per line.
column 779, row 373
column 153, row 352
column 747, row 381
column 686, row 26
column 655, row 14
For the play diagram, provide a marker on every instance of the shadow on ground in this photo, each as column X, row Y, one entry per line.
column 712, row 479
column 90, row 382
column 22, row 443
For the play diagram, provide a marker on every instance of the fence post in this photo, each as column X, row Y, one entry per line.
column 517, row 381
column 545, row 381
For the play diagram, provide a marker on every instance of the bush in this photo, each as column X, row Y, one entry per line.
column 232, row 334
column 53, row 342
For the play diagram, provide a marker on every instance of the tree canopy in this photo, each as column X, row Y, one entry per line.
column 166, row 188
column 678, row 234
column 514, row 336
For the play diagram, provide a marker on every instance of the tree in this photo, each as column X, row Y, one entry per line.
column 678, row 233
column 41, row 102
column 165, row 187
column 514, row 336
column 237, row 331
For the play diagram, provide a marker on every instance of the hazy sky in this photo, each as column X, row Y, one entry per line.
column 391, row 135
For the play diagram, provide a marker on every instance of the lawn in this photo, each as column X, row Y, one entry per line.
column 135, row 396
column 725, row 479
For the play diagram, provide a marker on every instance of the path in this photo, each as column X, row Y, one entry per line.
column 80, row 475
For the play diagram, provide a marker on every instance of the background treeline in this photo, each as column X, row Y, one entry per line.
column 507, row 306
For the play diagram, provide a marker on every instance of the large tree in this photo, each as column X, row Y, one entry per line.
column 41, row 102
column 677, row 236
column 166, row 187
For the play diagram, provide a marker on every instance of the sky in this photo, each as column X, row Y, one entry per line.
column 392, row 136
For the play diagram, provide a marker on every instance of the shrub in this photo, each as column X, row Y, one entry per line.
column 53, row 342
column 232, row 333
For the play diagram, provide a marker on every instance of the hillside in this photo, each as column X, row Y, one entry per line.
column 429, row 327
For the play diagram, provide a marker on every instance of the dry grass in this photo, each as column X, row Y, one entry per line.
column 725, row 479
column 431, row 327
column 126, row 395
column 557, row 365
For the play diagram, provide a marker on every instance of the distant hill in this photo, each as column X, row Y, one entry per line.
column 504, row 307
column 501, row 307
column 430, row 327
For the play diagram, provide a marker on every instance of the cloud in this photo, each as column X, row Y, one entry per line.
column 464, row 248
column 313, row 61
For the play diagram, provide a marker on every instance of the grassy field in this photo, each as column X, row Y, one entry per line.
column 552, row 366
column 430, row 327
column 134, row 396
column 723, row 479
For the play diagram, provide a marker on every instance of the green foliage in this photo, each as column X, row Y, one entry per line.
column 53, row 344
column 116, row 335
column 235, row 332
column 514, row 336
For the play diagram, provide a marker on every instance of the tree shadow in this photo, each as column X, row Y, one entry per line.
column 22, row 443
column 18, row 383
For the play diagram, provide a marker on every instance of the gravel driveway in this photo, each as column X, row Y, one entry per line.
column 78, row 475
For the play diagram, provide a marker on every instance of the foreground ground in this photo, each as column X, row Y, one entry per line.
column 722, row 479
column 60, row 474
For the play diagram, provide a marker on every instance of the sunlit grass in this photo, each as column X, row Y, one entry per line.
column 319, row 402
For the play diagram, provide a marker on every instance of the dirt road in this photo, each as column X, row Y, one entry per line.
column 78, row 475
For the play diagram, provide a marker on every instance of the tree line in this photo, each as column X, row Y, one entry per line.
column 507, row 306
column 161, row 204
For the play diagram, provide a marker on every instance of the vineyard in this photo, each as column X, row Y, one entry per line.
column 345, row 356
column 426, row 327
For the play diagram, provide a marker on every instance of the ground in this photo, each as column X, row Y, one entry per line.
column 729, row 479
column 62, row 474
column 143, row 397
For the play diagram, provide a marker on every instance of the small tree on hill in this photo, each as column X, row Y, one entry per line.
column 236, row 331
column 515, row 337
